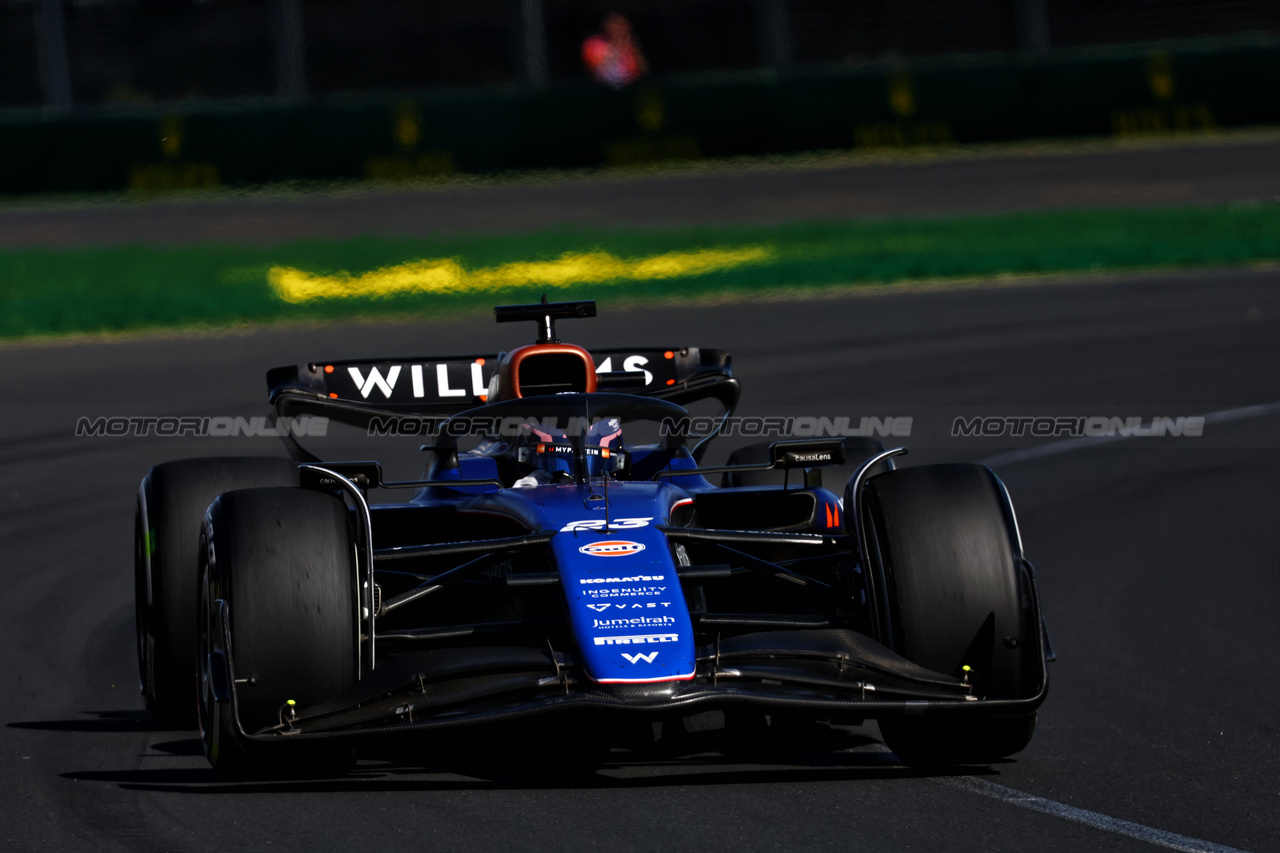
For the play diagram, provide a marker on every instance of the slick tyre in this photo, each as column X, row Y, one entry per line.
column 171, row 504
column 277, row 613
column 942, row 541
column 855, row 450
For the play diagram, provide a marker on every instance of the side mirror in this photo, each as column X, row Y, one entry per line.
column 807, row 454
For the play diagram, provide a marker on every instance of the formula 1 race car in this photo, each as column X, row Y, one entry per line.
column 564, row 555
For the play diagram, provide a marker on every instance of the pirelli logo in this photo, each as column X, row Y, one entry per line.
column 636, row 639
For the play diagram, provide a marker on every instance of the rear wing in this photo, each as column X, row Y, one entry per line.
column 356, row 392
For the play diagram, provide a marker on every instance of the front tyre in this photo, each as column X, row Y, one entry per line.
column 278, row 603
column 941, row 537
column 171, row 504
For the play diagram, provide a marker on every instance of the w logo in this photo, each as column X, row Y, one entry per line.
column 375, row 380
column 640, row 656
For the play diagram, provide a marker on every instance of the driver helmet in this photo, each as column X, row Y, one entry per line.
column 604, row 444
column 547, row 453
column 545, row 450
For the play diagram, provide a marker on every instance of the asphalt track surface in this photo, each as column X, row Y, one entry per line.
column 1158, row 562
column 1084, row 175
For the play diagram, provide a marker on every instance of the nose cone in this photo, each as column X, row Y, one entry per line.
column 626, row 608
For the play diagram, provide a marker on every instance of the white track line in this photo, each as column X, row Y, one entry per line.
column 982, row 787
column 1158, row 837
column 1068, row 444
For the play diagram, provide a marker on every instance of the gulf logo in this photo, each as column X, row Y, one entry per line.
column 612, row 548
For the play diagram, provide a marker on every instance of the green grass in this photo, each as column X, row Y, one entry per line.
column 128, row 288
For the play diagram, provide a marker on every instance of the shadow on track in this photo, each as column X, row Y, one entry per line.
column 104, row 721
column 507, row 761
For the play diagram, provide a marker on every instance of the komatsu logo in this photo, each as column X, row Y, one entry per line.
column 612, row 548
column 636, row 639
column 632, row 579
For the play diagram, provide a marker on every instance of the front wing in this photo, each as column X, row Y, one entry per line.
column 825, row 672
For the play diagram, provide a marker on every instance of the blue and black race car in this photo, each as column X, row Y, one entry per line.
column 564, row 555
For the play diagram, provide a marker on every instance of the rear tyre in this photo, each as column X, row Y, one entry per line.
column 283, row 561
column 855, row 450
column 171, row 505
column 943, row 542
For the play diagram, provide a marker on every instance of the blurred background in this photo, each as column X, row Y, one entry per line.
column 172, row 94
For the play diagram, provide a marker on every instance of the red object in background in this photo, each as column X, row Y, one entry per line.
column 613, row 57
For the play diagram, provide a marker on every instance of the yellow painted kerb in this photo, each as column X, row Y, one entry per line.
column 447, row 275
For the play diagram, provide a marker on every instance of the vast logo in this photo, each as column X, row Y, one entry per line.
column 612, row 548
column 614, row 524
column 640, row 656
column 651, row 605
